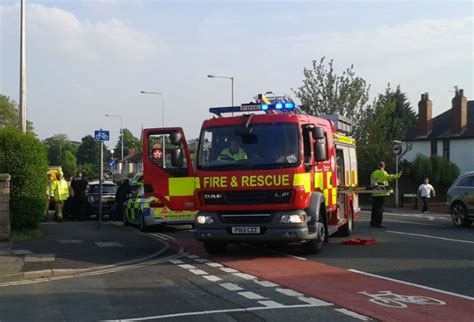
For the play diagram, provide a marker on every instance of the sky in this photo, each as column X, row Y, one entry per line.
column 88, row 58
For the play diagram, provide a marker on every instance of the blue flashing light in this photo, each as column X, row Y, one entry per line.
column 278, row 106
column 264, row 107
column 290, row 105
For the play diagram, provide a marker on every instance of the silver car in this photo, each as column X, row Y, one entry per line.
column 460, row 200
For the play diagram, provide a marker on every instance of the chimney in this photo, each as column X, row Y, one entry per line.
column 458, row 112
column 425, row 108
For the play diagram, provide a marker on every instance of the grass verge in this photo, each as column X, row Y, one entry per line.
column 17, row 236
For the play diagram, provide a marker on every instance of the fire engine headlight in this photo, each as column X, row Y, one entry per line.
column 204, row 220
column 292, row 219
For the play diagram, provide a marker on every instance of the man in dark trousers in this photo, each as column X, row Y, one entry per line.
column 120, row 197
column 80, row 186
column 379, row 180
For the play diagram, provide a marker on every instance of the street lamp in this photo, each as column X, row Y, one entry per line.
column 231, row 83
column 121, row 137
column 162, row 105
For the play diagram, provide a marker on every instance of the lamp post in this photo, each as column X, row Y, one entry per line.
column 231, row 84
column 22, row 105
column 121, row 137
column 162, row 105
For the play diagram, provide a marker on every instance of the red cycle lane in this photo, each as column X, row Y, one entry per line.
column 343, row 287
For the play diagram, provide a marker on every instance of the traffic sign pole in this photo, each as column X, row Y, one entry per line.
column 397, row 150
column 101, row 136
column 100, row 180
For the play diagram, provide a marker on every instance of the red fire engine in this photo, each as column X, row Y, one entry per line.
column 268, row 175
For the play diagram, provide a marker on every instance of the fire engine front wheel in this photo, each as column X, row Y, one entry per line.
column 315, row 246
column 215, row 248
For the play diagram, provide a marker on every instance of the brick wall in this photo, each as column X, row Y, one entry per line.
column 4, row 207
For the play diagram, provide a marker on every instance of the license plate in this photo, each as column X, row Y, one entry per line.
column 246, row 230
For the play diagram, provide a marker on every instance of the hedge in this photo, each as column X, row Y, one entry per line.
column 24, row 158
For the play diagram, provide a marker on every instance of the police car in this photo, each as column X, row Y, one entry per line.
column 144, row 212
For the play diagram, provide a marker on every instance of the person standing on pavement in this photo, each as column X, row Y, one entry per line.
column 424, row 191
column 80, row 185
column 61, row 193
column 379, row 181
column 120, row 197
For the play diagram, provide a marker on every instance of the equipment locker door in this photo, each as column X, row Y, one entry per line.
column 168, row 172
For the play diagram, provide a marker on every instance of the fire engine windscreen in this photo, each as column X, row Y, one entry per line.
column 261, row 146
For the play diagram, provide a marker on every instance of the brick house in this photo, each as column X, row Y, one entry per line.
column 449, row 135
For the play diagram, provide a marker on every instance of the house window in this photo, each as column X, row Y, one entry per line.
column 446, row 149
column 434, row 147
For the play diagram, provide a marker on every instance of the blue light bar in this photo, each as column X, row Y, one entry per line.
column 252, row 107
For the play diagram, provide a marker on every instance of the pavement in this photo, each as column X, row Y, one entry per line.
column 75, row 247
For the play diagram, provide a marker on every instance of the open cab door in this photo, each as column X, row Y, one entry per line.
column 168, row 169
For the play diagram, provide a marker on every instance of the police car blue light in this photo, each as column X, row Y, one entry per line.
column 264, row 107
column 278, row 106
column 289, row 105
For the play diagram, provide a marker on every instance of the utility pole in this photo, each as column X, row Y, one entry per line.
column 22, row 69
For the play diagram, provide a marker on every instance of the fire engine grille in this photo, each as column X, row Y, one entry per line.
column 246, row 218
column 247, row 197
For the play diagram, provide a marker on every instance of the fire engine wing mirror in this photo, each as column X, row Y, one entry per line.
column 175, row 138
column 318, row 133
column 177, row 158
column 320, row 152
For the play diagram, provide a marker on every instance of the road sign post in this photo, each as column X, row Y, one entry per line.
column 101, row 136
column 397, row 150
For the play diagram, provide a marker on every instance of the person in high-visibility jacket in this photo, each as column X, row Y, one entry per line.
column 60, row 191
column 233, row 153
column 379, row 180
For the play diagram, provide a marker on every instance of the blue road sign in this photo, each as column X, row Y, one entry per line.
column 112, row 163
column 100, row 135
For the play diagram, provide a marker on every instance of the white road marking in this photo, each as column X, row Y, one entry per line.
column 229, row 270
column 187, row 266
column 162, row 236
column 437, row 217
column 271, row 304
column 411, row 223
column 249, row 309
column 36, row 258
column 212, row 264
column 433, row 237
column 353, row 314
column 298, row 257
column 212, row 278
column 266, row 283
column 251, row 295
column 108, row 244
column 198, row 272
column 245, row 276
column 192, row 256
column 231, row 286
column 313, row 301
column 202, row 260
column 176, row 261
column 71, row 241
column 413, row 284
column 288, row 292
column 21, row 251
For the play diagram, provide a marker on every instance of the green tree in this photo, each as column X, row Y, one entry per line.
column 24, row 158
column 384, row 121
column 440, row 171
column 88, row 156
column 56, row 146
column 324, row 92
column 9, row 114
column 129, row 142
column 68, row 163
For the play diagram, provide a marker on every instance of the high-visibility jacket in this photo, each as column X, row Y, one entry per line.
column 227, row 155
column 60, row 190
column 380, row 178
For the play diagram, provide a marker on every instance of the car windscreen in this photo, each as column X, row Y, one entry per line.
column 260, row 146
column 106, row 188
